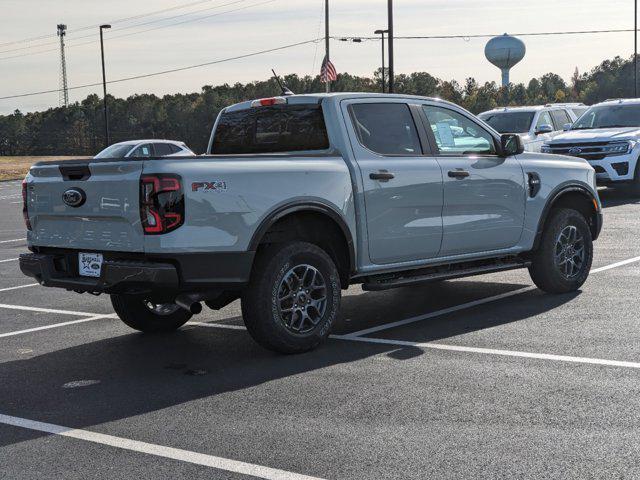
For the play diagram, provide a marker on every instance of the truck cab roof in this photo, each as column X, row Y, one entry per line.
column 315, row 98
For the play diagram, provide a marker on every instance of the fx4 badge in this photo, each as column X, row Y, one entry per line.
column 216, row 186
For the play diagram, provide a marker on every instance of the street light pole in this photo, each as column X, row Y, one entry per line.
column 391, row 62
column 381, row 33
column 104, row 88
column 635, row 48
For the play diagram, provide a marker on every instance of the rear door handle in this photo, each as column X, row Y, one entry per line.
column 382, row 175
column 458, row 174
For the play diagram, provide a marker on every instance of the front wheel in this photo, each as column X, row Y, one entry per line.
column 146, row 316
column 563, row 260
column 293, row 298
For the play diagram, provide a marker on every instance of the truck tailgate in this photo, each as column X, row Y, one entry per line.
column 107, row 216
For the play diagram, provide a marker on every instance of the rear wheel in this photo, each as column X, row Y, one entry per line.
column 293, row 298
column 146, row 316
column 563, row 260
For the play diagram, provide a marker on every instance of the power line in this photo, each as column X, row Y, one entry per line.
column 487, row 35
column 114, row 37
column 118, row 29
column 172, row 70
column 120, row 20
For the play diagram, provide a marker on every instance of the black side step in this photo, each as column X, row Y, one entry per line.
column 448, row 272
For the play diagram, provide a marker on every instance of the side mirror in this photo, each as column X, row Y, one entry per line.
column 511, row 144
column 567, row 126
column 544, row 129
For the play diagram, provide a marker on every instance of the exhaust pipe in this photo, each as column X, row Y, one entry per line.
column 190, row 302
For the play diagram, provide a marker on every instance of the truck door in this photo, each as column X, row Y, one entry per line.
column 484, row 194
column 402, row 181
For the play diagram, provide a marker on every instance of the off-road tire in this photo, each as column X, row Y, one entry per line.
column 133, row 311
column 262, row 304
column 544, row 270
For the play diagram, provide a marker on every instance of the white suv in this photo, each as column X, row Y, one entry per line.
column 536, row 125
column 607, row 137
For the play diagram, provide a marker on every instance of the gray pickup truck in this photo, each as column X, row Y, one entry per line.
column 301, row 196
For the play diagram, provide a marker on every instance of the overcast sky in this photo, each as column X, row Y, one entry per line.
column 223, row 30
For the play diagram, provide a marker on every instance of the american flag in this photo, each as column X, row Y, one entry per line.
column 328, row 71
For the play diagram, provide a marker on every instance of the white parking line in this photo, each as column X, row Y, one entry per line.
column 187, row 456
column 217, row 325
column 55, row 325
column 615, row 265
column 19, row 287
column 474, row 303
column 438, row 313
column 9, row 260
column 14, row 240
column 49, row 310
column 492, row 351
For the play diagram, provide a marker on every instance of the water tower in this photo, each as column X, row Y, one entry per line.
column 505, row 52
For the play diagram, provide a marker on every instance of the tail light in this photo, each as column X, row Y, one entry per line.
column 161, row 203
column 25, row 210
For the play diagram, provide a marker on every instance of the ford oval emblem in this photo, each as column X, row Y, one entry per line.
column 575, row 150
column 74, row 197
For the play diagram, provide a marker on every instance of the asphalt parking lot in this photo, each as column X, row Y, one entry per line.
column 476, row 378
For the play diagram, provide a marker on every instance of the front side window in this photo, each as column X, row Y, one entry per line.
column 457, row 134
column 386, row 128
column 609, row 116
column 509, row 122
column 544, row 119
column 560, row 118
column 142, row 151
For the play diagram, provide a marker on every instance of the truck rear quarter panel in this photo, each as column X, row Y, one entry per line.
column 227, row 198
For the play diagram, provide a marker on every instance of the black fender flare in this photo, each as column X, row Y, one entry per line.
column 555, row 195
column 305, row 206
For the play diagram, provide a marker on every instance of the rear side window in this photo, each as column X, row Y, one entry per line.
column 162, row 149
column 386, row 128
column 278, row 128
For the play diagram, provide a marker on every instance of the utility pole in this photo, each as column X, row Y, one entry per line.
column 391, row 62
column 104, row 89
column 635, row 48
column 381, row 33
column 326, row 39
column 64, row 88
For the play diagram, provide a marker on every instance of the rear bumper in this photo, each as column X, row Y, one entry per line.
column 140, row 273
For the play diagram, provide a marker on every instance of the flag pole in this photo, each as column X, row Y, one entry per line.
column 326, row 40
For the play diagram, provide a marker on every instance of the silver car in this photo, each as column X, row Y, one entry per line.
column 146, row 149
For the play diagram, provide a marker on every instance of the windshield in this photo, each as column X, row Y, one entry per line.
column 114, row 151
column 609, row 116
column 509, row 122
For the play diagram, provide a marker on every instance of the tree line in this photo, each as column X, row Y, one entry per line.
column 79, row 128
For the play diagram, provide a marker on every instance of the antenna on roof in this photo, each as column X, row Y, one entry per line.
column 283, row 89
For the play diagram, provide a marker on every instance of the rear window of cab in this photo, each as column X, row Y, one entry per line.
column 271, row 129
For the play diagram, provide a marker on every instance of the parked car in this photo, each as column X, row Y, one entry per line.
column 535, row 125
column 146, row 149
column 577, row 108
column 607, row 137
column 298, row 198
